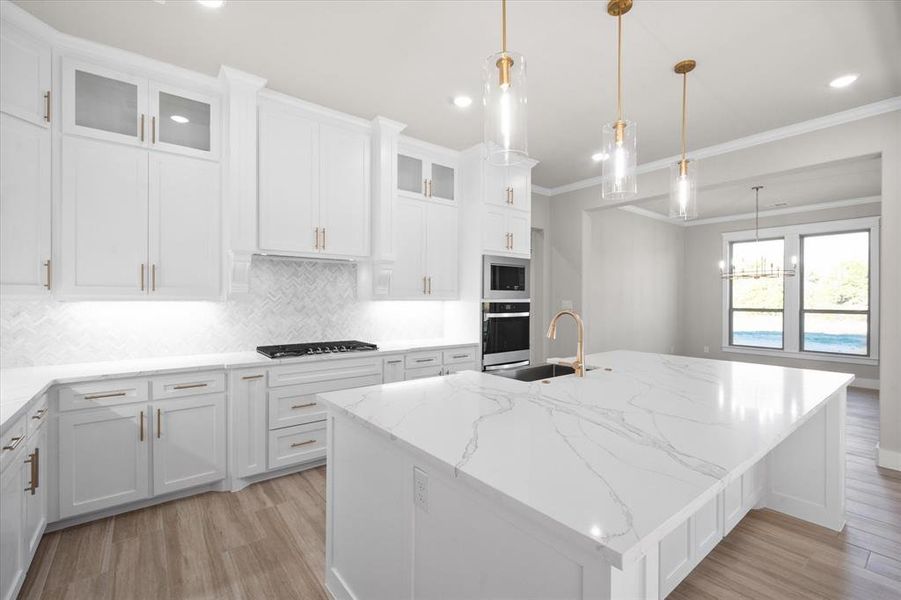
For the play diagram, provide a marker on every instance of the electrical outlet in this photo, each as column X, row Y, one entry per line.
column 566, row 304
column 420, row 489
column 706, row 349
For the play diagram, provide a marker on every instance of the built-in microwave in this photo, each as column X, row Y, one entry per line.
column 505, row 278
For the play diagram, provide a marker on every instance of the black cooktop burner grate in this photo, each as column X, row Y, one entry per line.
column 314, row 348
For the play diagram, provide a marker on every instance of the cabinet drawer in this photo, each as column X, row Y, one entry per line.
column 36, row 416
column 456, row 368
column 187, row 384
column 424, row 372
column 297, row 444
column 97, row 394
column 459, row 355
column 297, row 404
column 12, row 441
column 324, row 370
column 416, row 360
column 393, row 370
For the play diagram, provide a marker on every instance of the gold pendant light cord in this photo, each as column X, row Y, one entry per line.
column 619, row 68
column 504, row 26
column 684, row 104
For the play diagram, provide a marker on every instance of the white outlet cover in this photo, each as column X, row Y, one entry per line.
column 420, row 489
column 566, row 304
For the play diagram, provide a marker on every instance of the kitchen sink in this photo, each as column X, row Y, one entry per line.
column 536, row 372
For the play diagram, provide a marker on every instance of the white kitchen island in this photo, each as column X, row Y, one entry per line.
column 614, row 485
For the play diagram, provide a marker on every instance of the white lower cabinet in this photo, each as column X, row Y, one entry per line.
column 393, row 369
column 188, row 442
column 298, row 444
column 249, row 427
column 35, row 490
column 103, row 458
column 12, row 529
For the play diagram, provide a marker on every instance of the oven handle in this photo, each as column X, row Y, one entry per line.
column 505, row 315
column 523, row 363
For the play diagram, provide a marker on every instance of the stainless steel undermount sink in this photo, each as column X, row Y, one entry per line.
column 536, row 372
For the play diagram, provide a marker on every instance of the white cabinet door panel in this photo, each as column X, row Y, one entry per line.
column 441, row 232
column 408, row 275
column 494, row 231
column 495, row 185
column 184, row 122
column 103, row 219
column 288, row 181
column 12, row 530
column 36, row 497
column 249, row 429
column 188, row 442
column 344, row 191
column 24, row 206
column 184, row 227
column 519, row 226
column 24, row 75
column 518, row 180
column 103, row 458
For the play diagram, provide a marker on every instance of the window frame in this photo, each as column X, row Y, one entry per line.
column 792, row 309
column 732, row 309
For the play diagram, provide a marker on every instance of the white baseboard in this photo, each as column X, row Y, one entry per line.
column 866, row 384
column 888, row 459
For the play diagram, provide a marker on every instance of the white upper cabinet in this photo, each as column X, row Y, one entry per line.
column 103, row 220
column 185, row 248
column 423, row 174
column 314, row 183
column 111, row 105
column 24, row 207
column 426, row 263
column 25, row 175
column 344, row 191
column 24, row 76
column 441, row 252
column 506, row 231
column 508, row 187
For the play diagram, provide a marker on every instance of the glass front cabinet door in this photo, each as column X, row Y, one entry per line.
column 119, row 107
column 422, row 177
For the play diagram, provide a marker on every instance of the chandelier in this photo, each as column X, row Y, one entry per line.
column 762, row 268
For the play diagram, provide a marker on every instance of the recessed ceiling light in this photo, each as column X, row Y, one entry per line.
column 179, row 119
column 844, row 80
column 462, row 101
column 211, row 3
column 599, row 156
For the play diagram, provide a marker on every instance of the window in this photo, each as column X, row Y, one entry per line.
column 827, row 311
column 836, row 293
column 757, row 304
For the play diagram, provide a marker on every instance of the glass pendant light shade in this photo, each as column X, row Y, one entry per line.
column 504, row 101
column 620, row 144
column 683, row 195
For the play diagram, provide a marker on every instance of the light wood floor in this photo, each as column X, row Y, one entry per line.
column 268, row 541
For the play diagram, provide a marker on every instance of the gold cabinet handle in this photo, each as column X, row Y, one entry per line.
column 307, row 405
column 316, row 242
column 47, row 106
column 152, row 278
column 460, row 356
column 296, row 444
column 141, row 424
column 110, row 395
column 142, row 127
column 14, row 442
column 430, row 188
column 425, row 188
column 394, row 362
column 39, row 415
column 323, row 238
column 159, row 423
column 142, row 277
column 511, row 196
column 153, row 129
column 511, row 241
column 425, row 360
column 423, row 284
column 188, row 386
column 246, row 377
column 430, row 285
column 49, row 266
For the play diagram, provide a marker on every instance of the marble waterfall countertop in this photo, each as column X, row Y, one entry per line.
column 20, row 386
column 613, row 460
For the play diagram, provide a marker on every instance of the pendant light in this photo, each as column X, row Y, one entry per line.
column 504, row 100
column 683, row 194
column 620, row 141
column 760, row 269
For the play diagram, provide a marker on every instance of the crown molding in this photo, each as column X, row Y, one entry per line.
column 775, row 212
column 537, row 189
column 238, row 78
column 780, row 133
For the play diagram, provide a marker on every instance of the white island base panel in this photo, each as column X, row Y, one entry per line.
column 402, row 524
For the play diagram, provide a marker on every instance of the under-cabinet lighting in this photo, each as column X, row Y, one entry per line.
column 211, row 3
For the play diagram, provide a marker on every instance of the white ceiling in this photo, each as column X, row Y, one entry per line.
column 761, row 65
column 832, row 182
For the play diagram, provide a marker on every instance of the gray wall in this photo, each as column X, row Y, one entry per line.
column 634, row 279
column 703, row 290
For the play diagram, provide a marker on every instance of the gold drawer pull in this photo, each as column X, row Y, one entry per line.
column 394, row 362
column 34, row 460
column 308, row 404
column 460, row 356
column 296, row 444
column 188, row 386
column 99, row 396
column 246, row 377
column 39, row 415
column 141, row 421
column 14, row 442
column 424, row 360
column 159, row 423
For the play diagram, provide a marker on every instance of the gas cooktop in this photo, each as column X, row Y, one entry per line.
column 313, row 348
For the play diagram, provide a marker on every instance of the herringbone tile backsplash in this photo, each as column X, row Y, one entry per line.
column 290, row 301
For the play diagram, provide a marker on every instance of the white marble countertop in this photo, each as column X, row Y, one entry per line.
column 614, row 460
column 20, row 386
